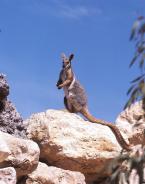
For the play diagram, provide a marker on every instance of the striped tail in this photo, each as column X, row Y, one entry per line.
column 114, row 129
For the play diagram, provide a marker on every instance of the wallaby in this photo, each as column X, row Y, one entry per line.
column 75, row 99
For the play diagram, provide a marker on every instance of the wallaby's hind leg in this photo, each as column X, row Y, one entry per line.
column 69, row 107
column 66, row 104
column 75, row 104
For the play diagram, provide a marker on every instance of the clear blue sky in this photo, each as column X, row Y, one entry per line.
column 35, row 32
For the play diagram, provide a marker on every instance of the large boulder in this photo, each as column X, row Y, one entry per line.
column 23, row 154
column 8, row 176
column 10, row 120
column 132, row 122
column 52, row 175
column 4, row 150
column 69, row 142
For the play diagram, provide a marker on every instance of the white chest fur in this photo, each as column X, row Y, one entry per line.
column 67, row 89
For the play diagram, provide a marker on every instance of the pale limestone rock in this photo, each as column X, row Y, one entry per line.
column 132, row 122
column 8, row 175
column 24, row 154
column 52, row 175
column 69, row 142
column 4, row 150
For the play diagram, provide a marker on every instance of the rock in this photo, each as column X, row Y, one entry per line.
column 23, row 156
column 10, row 120
column 4, row 150
column 132, row 123
column 69, row 142
column 52, row 175
column 8, row 176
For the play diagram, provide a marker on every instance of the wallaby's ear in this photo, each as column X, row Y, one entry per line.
column 63, row 56
column 71, row 57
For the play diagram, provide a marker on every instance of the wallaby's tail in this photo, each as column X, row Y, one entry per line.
column 114, row 129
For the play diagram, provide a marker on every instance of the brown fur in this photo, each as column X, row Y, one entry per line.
column 75, row 99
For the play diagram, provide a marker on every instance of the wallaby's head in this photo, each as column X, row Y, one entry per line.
column 66, row 61
column 4, row 87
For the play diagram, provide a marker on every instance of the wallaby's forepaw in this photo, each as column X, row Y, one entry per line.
column 59, row 87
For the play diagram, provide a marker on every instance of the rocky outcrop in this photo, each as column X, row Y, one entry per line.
column 8, row 176
column 69, row 142
column 52, row 175
column 75, row 151
column 10, row 120
column 4, row 150
column 23, row 154
column 132, row 122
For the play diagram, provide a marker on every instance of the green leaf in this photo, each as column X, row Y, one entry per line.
column 133, row 98
column 141, row 48
column 141, row 64
column 128, row 104
column 115, row 174
column 134, row 94
column 134, row 29
column 142, row 87
column 130, row 89
column 133, row 60
column 140, row 18
column 138, row 78
column 142, row 29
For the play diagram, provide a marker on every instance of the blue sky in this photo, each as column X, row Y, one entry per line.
column 35, row 32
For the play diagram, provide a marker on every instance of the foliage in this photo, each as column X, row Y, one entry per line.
column 126, row 167
column 137, row 89
column 129, row 165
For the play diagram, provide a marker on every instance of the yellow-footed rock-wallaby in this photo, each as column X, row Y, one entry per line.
column 75, row 99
